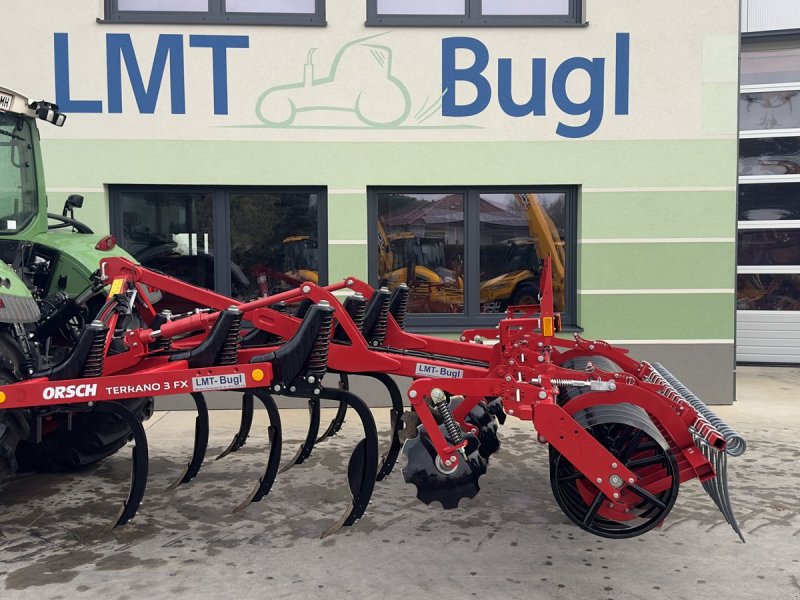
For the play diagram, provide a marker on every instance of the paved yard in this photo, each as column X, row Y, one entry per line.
column 511, row 541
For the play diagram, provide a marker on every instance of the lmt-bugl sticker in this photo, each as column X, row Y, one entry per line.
column 424, row 370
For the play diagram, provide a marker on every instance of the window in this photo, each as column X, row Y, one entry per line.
column 468, row 254
column 240, row 242
column 229, row 12
column 475, row 12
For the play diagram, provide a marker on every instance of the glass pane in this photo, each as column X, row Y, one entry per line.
column 171, row 232
column 770, row 66
column 769, row 202
column 769, row 110
column 17, row 176
column 421, row 243
column 273, row 242
column 165, row 5
column 768, row 292
column 769, row 247
column 517, row 232
column 271, row 6
column 422, row 7
column 769, row 156
column 525, row 7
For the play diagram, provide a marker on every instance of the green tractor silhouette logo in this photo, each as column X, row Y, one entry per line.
column 360, row 82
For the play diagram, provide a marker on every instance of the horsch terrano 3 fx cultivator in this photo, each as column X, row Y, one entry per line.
column 622, row 434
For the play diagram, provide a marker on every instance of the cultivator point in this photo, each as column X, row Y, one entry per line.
column 623, row 435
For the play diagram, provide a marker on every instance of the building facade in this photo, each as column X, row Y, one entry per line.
column 248, row 144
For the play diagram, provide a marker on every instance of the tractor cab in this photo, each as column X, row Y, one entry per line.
column 32, row 240
column 300, row 258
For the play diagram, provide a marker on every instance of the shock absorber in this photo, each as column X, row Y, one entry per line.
column 93, row 366
column 454, row 433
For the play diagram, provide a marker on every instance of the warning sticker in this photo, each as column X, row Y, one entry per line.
column 218, row 382
column 424, row 370
column 116, row 287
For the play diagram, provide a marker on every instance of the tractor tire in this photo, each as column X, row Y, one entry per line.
column 525, row 293
column 93, row 437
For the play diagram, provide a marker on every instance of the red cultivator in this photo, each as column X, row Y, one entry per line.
column 622, row 434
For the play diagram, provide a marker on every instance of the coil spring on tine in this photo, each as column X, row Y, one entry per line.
column 359, row 310
column 381, row 323
column 93, row 367
column 318, row 357
column 402, row 308
column 229, row 353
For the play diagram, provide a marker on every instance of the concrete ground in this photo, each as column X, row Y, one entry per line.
column 511, row 541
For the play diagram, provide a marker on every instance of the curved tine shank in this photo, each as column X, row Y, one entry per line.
column 244, row 426
column 304, row 451
column 341, row 412
column 389, row 458
column 264, row 484
column 363, row 462
column 139, row 460
column 200, row 442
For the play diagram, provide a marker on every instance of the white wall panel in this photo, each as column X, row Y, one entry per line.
column 768, row 336
column 767, row 15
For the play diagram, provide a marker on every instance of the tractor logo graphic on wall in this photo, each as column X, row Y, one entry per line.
column 360, row 82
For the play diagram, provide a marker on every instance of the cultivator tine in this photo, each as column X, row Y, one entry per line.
column 200, row 442
column 264, row 484
column 139, row 460
column 389, row 458
column 244, row 427
column 717, row 487
column 311, row 435
column 363, row 462
column 341, row 412
column 735, row 445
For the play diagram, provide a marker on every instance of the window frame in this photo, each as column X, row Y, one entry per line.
column 215, row 15
column 472, row 317
column 473, row 17
column 220, row 206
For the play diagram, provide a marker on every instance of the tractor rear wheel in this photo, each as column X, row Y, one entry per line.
column 93, row 436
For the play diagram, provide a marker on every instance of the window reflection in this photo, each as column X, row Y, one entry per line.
column 171, row 232
column 517, row 231
column 421, row 244
column 769, row 156
column 769, row 110
column 770, row 66
column 768, row 292
column 769, row 202
column 273, row 242
column 769, row 247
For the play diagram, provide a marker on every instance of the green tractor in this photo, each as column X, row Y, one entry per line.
column 49, row 290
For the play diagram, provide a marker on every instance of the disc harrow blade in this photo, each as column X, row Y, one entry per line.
column 363, row 464
column 717, row 486
column 338, row 419
column 200, row 443
column 434, row 485
column 304, row 451
column 139, row 460
column 264, row 484
column 246, row 423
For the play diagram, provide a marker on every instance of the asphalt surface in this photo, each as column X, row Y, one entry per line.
column 511, row 541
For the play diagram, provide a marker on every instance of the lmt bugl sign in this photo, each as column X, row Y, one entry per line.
column 122, row 62
column 534, row 104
